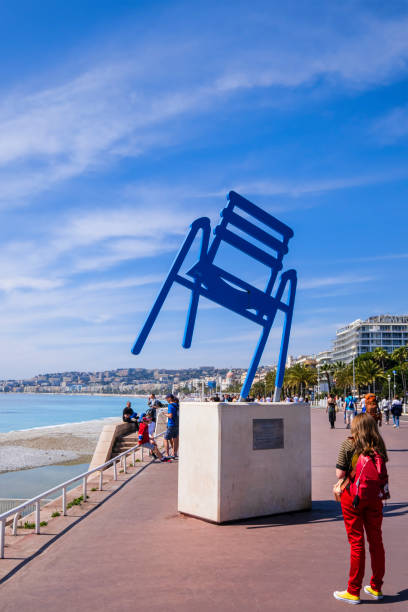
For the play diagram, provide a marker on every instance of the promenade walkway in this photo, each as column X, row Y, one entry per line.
column 135, row 552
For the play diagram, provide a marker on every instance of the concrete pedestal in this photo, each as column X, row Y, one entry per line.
column 240, row 460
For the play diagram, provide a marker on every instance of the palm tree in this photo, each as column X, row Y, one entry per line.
column 293, row 377
column 401, row 357
column 270, row 382
column 367, row 371
column 326, row 370
column 343, row 376
column 300, row 377
column 258, row 388
column 381, row 356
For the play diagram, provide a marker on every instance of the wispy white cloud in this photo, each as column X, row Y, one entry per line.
column 392, row 127
column 319, row 185
column 125, row 283
column 329, row 281
column 21, row 282
column 381, row 257
column 304, row 329
column 123, row 107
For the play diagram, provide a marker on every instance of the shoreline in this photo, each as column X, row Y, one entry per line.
column 50, row 445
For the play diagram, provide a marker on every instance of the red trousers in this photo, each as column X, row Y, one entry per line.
column 368, row 516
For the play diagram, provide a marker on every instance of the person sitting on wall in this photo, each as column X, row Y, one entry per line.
column 129, row 416
column 147, row 441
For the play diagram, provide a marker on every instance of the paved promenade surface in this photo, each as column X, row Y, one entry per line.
column 135, row 552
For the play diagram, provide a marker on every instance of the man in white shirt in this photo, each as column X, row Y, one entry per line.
column 385, row 407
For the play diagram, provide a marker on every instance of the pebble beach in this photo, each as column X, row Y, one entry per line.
column 51, row 445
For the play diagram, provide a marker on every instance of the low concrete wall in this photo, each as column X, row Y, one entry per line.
column 243, row 460
column 109, row 433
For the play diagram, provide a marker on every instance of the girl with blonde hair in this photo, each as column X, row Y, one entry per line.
column 365, row 447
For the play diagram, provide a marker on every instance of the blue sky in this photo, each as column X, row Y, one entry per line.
column 121, row 122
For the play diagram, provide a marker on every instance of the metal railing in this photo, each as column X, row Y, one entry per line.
column 36, row 501
column 9, row 503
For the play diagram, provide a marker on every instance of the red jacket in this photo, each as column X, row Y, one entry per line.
column 143, row 433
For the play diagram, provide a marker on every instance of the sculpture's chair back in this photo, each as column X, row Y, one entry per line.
column 272, row 249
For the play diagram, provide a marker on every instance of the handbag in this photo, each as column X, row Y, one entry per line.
column 339, row 487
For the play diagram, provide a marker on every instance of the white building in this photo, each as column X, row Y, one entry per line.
column 385, row 331
column 306, row 360
column 324, row 357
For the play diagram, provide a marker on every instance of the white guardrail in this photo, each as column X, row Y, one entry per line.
column 36, row 501
column 7, row 503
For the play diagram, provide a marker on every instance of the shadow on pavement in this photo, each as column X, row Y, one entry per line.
column 396, row 509
column 401, row 596
column 323, row 511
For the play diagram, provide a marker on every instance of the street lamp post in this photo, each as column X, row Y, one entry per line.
column 354, row 349
column 389, row 387
column 394, row 372
column 354, row 377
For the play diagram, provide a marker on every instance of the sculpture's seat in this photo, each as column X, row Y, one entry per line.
column 226, row 289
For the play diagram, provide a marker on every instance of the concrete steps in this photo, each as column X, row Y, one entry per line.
column 124, row 442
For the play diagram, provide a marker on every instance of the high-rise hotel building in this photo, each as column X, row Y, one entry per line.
column 386, row 331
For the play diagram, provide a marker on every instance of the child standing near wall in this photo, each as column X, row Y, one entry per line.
column 364, row 447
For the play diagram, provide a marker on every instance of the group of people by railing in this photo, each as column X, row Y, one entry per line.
column 145, row 425
column 351, row 406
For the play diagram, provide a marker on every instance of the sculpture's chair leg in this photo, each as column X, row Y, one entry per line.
column 256, row 359
column 291, row 277
column 192, row 314
column 203, row 224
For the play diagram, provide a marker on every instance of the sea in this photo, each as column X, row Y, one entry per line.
column 29, row 411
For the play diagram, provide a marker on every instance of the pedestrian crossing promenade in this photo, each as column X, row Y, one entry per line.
column 134, row 551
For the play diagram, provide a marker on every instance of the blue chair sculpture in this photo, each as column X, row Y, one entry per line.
column 209, row 280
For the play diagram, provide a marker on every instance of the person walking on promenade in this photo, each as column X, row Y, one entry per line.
column 385, row 407
column 364, row 451
column 331, row 410
column 372, row 408
column 350, row 407
column 396, row 411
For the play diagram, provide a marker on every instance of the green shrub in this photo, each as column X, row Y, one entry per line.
column 56, row 513
column 28, row 525
column 77, row 501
